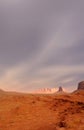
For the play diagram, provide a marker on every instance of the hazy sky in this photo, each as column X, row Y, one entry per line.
column 41, row 44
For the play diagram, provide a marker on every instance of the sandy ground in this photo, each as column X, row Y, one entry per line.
column 42, row 112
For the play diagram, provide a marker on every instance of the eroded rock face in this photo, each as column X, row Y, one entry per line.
column 60, row 89
column 81, row 86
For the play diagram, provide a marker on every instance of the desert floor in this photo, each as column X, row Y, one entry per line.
column 42, row 112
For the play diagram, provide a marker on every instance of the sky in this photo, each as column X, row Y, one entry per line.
column 41, row 44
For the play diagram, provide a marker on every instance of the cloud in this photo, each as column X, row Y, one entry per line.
column 20, row 78
column 41, row 43
column 71, row 55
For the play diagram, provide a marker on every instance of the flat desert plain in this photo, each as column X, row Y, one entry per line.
column 41, row 112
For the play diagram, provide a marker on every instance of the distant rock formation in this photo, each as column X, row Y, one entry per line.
column 60, row 89
column 81, row 86
column 46, row 91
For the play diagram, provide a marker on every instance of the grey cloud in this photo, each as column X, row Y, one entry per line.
column 27, row 27
column 73, row 55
